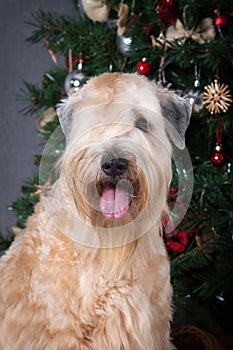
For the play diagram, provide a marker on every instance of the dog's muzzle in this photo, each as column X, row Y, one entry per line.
column 117, row 190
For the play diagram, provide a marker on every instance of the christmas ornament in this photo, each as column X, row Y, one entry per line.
column 228, row 168
column 197, row 75
column 124, row 45
column 217, row 97
column 220, row 20
column 125, row 25
column 158, row 42
column 127, row 20
column 45, row 117
column 218, row 158
column 203, row 33
column 168, row 11
column 122, row 21
column 74, row 80
column 96, row 10
column 143, row 67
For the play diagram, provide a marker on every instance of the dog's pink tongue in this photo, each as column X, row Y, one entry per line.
column 114, row 202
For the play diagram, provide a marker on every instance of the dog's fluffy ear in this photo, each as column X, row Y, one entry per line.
column 177, row 112
column 64, row 112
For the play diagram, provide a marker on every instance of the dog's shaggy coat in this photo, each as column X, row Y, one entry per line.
column 113, row 293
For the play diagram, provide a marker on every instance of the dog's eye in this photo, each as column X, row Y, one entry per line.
column 142, row 123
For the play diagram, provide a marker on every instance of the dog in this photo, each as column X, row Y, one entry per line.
column 90, row 271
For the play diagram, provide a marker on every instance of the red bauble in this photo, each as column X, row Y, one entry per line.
column 143, row 67
column 168, row 11
column 220, row 20
column 218, row 158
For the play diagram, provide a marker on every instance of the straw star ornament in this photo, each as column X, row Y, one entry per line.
column 217, row 97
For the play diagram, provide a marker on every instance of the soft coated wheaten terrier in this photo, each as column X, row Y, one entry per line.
column 90, row 271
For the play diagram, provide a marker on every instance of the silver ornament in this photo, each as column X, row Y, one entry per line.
column 74, row 81
column 197, row 75
column 124, row 45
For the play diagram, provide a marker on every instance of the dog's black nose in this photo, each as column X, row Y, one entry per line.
column 115, row 167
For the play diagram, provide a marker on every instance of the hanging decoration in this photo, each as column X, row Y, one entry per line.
column 143, row 67
column 159, row 42
column 75, row 79
column 123, row 19
column 96, row 10
column 217, row 97
column 168, row 11
column 203, row 33
column 220, row 20
column 124, row 45
column 218, row 158
column 125, row 24
column 197, row 75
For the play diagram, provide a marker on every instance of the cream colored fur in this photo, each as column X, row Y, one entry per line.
column 115, row 294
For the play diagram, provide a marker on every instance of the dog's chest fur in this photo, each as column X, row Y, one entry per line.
column 75, row 292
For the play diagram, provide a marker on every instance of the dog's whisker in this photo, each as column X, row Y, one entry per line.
column 133, row 196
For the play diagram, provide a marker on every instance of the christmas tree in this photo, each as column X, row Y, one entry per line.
column 185, row 46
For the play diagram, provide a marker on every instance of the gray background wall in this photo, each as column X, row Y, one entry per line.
column 19, row 61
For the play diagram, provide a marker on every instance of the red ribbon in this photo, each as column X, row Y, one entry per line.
column 220, row 131
column 177, row 241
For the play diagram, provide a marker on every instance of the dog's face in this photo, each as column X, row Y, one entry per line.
column 117, row 163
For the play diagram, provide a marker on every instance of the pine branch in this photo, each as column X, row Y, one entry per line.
column 51, row 92
column 5, row 242
column 62, row 33
column 23, row 207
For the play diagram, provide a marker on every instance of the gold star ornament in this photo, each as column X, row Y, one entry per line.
column 217, row 97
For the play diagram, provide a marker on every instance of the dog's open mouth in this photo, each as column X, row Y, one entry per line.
column 115, row 199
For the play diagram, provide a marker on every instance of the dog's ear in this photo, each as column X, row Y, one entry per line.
column 177, row 112
column 64, row 112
